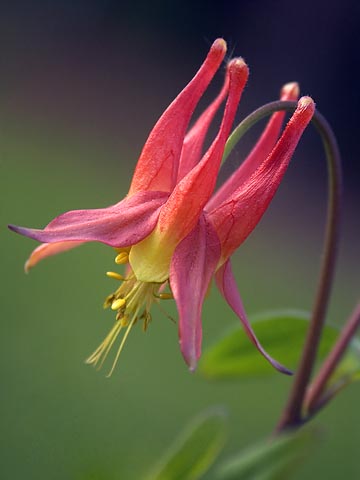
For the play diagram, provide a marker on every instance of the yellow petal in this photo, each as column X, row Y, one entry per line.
column 150, row 259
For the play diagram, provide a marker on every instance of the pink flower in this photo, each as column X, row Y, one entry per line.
column 171, row 230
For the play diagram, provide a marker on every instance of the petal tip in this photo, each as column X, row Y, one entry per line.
column 291, row 90
column 192, row 366
column 21, row 230
column 27, row 232
column 13, row 228
column 237, row 64
column 27, row 266
column 191, row 359
column 219, row 45
column 306, row 102
column 280, row 368
column 238, row 71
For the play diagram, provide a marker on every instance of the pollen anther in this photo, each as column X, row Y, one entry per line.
column 115, row 276
column 166, row 296
column 120, row 302
column 122, row 258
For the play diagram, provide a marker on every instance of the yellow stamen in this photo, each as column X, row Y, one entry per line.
column 122, row 345
column 121, row 258
column 147, row 319
column 105, row 345
column 115, row 276
column 124, row 321
column 108, row 300
column 166, row 314
column 120, row 302
column 166, row 296
column 131, row 302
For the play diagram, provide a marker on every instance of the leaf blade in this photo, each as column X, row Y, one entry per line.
column 282, row 334
column 195, row 449
column 269, row 460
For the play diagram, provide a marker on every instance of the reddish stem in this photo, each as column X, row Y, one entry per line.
column 292, row 414
column 314, row 395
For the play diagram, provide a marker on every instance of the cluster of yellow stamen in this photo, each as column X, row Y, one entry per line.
column 132, row 302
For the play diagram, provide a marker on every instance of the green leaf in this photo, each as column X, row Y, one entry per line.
column 195, row 450
column 270, row 460
column 282, row 334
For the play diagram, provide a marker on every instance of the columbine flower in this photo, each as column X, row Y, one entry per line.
column 169, row 230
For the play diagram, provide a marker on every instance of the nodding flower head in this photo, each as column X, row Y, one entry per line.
column 172, row 233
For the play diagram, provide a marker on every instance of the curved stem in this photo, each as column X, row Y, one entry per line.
column 292, row 414
column 250, row 121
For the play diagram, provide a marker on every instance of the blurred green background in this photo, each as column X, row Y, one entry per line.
column 82, row 84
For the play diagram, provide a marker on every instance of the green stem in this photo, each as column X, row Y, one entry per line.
column 292, row 414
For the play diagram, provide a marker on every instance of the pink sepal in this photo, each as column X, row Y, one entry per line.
column 159, row 160
column 194, row 139
column 47, row 250
column 259, row 153
column 236, row 217
column 192, row 266
column 225, row 282
column 120, row 225
column 186, row 202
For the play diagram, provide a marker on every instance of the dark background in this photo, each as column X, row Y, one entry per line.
column 81, row 85
column 84, row 54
